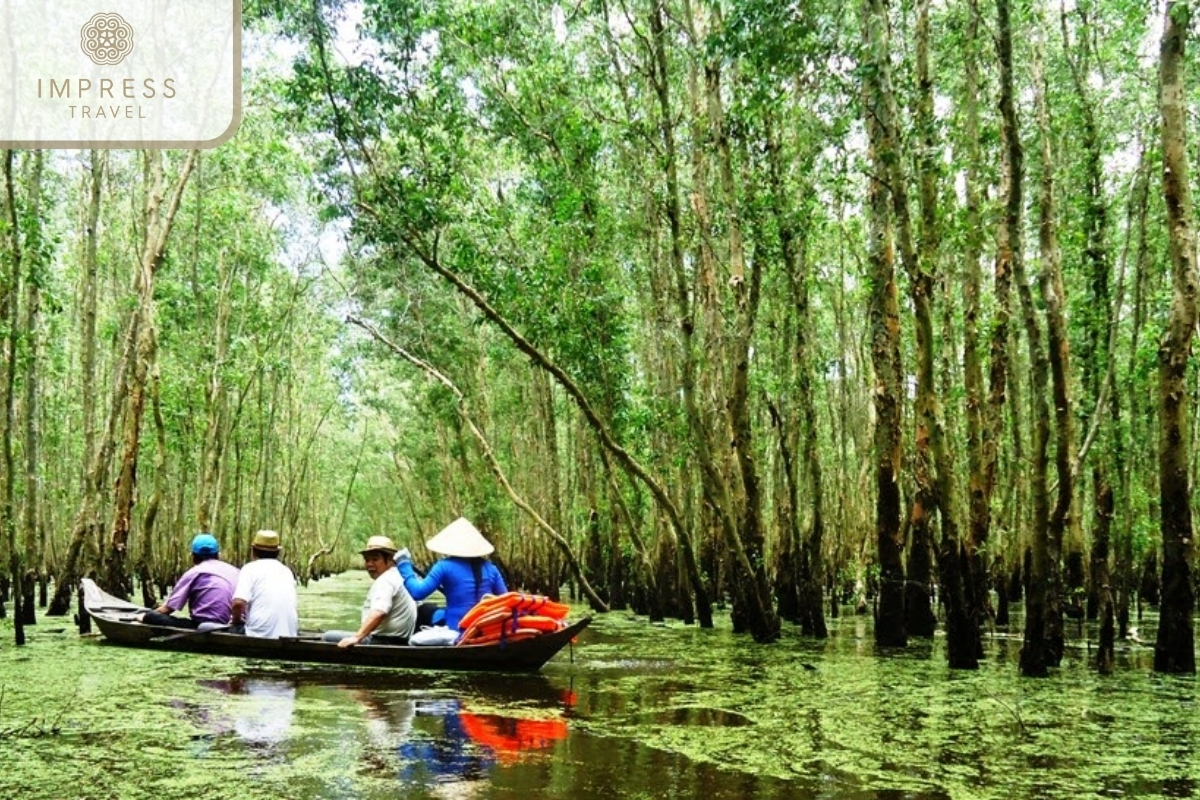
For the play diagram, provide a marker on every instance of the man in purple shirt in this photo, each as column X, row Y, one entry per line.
column 206, row 589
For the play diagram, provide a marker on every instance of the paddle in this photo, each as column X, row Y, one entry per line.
column 205, row 627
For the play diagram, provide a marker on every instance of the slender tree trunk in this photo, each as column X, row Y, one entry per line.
column 1125, row 571
column 793, row 245
column 982, row 420
column 750, row 587
column 1060, row 370
column 885, row 334
column 1105, row 653
column 87, row 322
column 145, row 567
column 1033, row 660
column 919, row 264
column 31, row 517
column 954, row 573
column 8, row 323
column 93, row 459
column 1099, row 341
column 1174, row 650
column 207, row 492
column 157, row 220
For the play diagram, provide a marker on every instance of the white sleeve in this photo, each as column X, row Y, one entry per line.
column 244, row 585
column 379, row 598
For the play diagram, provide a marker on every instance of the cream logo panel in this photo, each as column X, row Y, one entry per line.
column 120, row 73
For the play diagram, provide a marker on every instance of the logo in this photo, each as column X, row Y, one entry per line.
column 158, row 74
column 106, row 39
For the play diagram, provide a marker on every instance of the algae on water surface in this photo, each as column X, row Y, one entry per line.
column 640, row 711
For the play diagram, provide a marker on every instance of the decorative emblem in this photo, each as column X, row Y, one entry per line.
column 106, row 39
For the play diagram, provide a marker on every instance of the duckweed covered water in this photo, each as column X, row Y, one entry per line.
column 641, row 711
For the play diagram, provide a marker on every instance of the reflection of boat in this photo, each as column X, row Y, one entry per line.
column 437, row 751
column 509, row 737
column 263, row 707
column 114, row 617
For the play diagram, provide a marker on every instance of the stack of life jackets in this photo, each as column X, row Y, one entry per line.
column 511, row 617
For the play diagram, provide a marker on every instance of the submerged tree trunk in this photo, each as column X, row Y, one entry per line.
column 954, row 567
column 158, row 221
column 729, row 472
column 35, row 267
column 810, row 612
column 1174, row 650
column 885, row 336
column 1033, row 660
column 68, row 571
column 9, row 297
column 1060, row 369
column 982, row 414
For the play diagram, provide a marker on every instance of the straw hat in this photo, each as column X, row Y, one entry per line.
column 266, row 540
column 460, row 538
column 379, row 544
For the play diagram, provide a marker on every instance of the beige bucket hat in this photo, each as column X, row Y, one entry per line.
column 460, row 538
column 380, row 544
column 266, row 540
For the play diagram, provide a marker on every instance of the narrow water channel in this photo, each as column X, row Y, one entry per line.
column 635, row 711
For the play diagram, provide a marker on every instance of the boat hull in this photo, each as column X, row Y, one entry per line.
column 113, row 617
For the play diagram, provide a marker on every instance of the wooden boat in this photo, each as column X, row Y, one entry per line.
column 115, row 618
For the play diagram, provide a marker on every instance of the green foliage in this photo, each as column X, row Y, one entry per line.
column 524, row 146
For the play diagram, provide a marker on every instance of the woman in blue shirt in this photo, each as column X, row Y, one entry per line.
column 464, row 576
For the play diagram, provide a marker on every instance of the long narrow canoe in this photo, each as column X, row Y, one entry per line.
column 115, row 618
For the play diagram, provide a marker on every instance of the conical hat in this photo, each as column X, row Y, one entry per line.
column 460, row 538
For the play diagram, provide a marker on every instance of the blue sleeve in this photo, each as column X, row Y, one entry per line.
column 418, row 587
column 497, row 581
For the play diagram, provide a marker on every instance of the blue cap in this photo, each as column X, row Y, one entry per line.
column 205, row 544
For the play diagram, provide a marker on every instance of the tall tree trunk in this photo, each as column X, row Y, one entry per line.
column 1060, row 368
column 1174, row 650
column 157, row 221
column 8, row 323
column 954, row 567
column 35, row 266
column 146, row 562
column 983, row 414
column 1125, row 572
column 918, row 264
column 793, row 245
column 1099, row 342
column 885, row 334
column 751, row 588
column 207, row 492
column 1033, row 660
column 68, row 571
column 87, row 320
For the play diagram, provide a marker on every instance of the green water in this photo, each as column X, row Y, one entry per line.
column 640, row 711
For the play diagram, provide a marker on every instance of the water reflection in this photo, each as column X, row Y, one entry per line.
column 436, row 750
column 262, row 708
column 435, row 739
column 442, row 740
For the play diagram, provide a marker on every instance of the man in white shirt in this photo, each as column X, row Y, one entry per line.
column 389, row 613
column 265, row 597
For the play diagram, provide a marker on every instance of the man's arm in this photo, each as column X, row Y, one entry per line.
column 179, row 597
column 238, row 612
column 368, row 627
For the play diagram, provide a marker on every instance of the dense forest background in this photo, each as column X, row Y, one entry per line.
column 683, row 302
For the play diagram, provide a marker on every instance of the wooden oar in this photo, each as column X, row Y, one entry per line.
column 205, row 627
